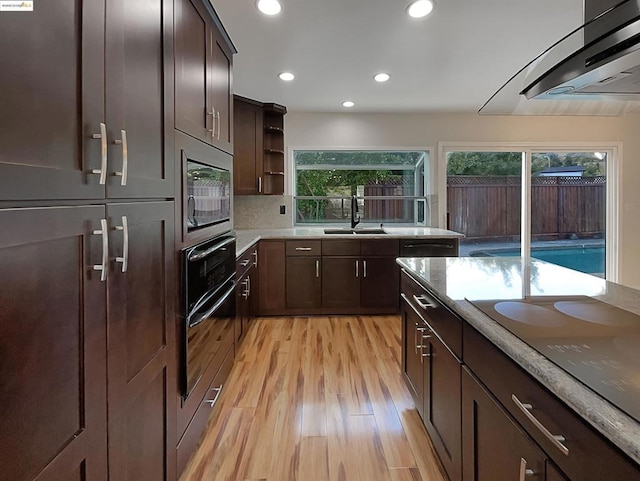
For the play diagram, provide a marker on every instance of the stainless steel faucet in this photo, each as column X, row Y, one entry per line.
column 354, row 210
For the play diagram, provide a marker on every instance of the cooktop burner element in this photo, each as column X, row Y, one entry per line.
column 597, row 343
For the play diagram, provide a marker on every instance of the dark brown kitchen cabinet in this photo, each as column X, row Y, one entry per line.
column 340, row 282
column 248, row 146
column 360, row 274
column 52, row 102
column 71, row 134
column 303, row 274
column 141, row 373
column 271, row 277
column 203, row 79
column 433, row 375
column 71, row 275
column 495, row 448
column 139, row 106
column 258, row 147
column 53, row 359
column 246, row 291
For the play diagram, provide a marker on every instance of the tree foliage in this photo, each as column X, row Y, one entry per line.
column 510, row 163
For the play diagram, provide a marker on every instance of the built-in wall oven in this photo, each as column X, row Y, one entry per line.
column 208, row 278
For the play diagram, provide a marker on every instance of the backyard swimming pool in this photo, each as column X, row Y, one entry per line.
column 580, row 258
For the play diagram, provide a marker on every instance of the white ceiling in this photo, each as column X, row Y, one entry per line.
column 453, row 60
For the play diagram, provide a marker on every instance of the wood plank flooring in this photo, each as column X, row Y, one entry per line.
column 316, row 399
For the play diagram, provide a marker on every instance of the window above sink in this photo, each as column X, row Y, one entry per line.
column 392, row 187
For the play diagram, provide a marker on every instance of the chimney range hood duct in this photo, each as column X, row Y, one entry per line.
column 594, row 70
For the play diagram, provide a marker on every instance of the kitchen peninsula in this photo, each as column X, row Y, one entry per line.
column 543, row 352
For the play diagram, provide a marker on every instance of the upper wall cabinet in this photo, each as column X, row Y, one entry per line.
column 68, row 133
column 258, row 163
column 203, row 79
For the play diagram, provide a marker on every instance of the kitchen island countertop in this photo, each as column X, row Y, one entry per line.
column 504, row 282
column 245, row 238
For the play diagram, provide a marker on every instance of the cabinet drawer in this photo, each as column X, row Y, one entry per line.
column 442, row 321
column 590, row 456
column 192, row 435
column 342, row 247
column 246, row 260
column 303, row 248
column 379, row 247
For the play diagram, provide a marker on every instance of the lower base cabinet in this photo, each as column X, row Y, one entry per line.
column 495, row 448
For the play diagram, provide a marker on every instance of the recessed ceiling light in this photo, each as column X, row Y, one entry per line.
column 381, row 77
column 420, row 8
column 286, row 76
column 269, row 7
column 348, row 104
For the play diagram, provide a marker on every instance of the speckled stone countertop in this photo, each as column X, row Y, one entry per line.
column 247, row 237
column 453, row 280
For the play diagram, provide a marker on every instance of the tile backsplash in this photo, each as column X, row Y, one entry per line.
column 262, row 211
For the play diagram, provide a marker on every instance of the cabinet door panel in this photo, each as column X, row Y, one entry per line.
column 136, row 61
column 248, row 147
column 52, row 101
column 341, row 282
column 271, row 278
column 494, row 446
column 52, row 345
column 303, row 282
column 191, row 41
column 380, row 282
column 412, row 362
column 140, row 337
column 442, row 399
column 220, row 92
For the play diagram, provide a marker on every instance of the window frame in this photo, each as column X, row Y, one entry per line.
column 613, row 189
column 429, row 185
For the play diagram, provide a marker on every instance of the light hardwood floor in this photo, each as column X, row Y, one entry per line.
column 316, row 399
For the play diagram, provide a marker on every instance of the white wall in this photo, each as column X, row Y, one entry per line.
column 314, row 130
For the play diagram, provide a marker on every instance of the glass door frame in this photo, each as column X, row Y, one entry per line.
column 613, row 150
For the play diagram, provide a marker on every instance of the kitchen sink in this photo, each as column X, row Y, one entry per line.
column 363, row 230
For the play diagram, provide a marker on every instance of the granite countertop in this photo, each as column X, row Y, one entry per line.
column 455, row 281
column 245, row 238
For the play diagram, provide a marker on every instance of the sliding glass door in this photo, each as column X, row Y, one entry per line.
column 551, row 204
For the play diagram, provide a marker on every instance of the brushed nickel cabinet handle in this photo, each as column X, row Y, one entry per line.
column 303, row 248
column 260, row 185
column 103, row 231
column 218, row 123
column 556, row 439
column 524, row 472
column 125, row 157
column 213, row 123
column 245, row 263
column 217, row 390
column 125, row 243
column 247, row 288
column 357, row 267
column 103, row 153
column 255, row 258
column 364, row 268
column 423, row 302
column 317, row 268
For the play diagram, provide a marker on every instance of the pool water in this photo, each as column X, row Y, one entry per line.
column 583, row 259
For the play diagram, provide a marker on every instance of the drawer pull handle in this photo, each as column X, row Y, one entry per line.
column 524, row 472
column 303, row 248
column 245, row 263
column 557, row 440
column 424, row 302
column 217, row 390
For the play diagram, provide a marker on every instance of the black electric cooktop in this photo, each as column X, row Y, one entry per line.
column 597, row 343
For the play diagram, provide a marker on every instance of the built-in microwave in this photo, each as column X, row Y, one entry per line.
column 207, row 192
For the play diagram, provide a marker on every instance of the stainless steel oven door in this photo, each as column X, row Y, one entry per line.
column 206, row 329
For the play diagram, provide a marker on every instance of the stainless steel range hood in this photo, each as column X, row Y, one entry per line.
column 595, row 70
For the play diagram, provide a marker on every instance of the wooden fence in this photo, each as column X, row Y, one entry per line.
column 489, row 207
